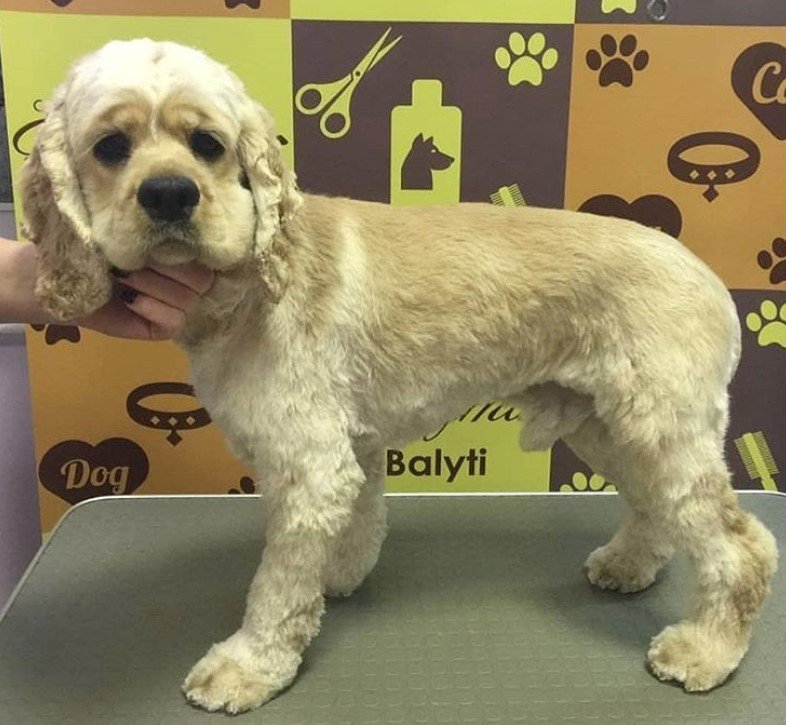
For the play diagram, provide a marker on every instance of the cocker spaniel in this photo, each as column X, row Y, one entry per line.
column 338, row 327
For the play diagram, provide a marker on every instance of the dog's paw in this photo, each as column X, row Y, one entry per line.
column 234, row 678
column 691, row 655
column 609, row 568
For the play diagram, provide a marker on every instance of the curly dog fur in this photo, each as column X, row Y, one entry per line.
column 337, row 328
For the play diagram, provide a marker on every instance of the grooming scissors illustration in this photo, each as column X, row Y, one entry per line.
column 333, row 99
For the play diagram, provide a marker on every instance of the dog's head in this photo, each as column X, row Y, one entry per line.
column 426, row 149
column 151, row 151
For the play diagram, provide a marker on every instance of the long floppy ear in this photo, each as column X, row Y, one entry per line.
column 73, row 275
column 275, row 192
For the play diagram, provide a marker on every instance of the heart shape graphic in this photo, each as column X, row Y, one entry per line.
column 758, row 77
column 253, row 4
column 652, row 210
column 76, row 471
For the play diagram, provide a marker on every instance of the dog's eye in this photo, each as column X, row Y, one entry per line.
column 206, row 146
column 113, row 149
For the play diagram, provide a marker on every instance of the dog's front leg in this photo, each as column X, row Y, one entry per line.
column 306, row 511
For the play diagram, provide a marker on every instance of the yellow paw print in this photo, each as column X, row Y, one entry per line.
column 580, row 482
column 526, row 60
column 770, row 323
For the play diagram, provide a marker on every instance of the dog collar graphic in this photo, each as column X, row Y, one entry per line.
column 170, row 420
column 714, row 173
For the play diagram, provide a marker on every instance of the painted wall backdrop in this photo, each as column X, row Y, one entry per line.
column 607, row 106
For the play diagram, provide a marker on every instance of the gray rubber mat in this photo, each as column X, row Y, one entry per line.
column 478, row 612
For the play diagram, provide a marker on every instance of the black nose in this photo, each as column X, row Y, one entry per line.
column 168, row 198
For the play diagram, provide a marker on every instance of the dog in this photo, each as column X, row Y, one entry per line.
column 337, row 328
column 423, row 159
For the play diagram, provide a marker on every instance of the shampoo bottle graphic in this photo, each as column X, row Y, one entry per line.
column 425, row 148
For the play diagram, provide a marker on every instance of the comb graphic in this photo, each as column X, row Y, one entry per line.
column 757, row 458
column 508, row 196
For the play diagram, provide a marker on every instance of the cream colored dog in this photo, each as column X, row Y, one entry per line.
column 337, row 328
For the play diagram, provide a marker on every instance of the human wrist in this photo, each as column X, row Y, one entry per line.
column 18, row 271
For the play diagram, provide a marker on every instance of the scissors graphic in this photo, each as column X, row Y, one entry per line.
column 334, row 98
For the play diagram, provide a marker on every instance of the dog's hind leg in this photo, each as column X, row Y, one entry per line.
column 681, row 496
column 630, row 561
column 689, row 493
column 355, row 552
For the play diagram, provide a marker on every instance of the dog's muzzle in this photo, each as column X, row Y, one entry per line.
column 168, row 198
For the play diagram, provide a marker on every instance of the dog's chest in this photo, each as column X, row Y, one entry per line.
column 235, row 381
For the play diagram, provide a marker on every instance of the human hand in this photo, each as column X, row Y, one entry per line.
column 151, row 303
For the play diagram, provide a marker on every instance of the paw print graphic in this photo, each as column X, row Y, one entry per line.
column 580, row 482
column 609, row 6
column 770, row 323
column 526, row 60
column 775, row 262
column 617, row 63
column 253, row 4
column 58, row 333
column 246, row 485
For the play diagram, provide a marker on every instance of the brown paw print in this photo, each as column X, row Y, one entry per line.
column 58, row 333
column 617, row 63
column 775, row 262
column 246, row 484
column 253, row 4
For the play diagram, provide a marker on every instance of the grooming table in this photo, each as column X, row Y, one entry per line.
column 478, row 612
